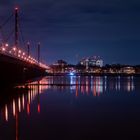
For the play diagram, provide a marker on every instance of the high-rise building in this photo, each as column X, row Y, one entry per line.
column 92, row 61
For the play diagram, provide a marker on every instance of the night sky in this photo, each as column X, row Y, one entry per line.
column 73, row 29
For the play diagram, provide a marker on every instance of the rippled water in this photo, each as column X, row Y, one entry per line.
column 72, row 108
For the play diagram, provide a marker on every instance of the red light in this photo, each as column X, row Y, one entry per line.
column 28, row 109
column 38, row 108
column 16, row 8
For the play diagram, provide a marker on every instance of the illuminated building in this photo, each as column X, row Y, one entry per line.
column 59, row 66
column 128, row 70
column 92, row 61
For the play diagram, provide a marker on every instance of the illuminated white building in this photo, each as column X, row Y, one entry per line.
column 92, row 61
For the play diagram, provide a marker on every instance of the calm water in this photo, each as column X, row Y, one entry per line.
column 72, row 108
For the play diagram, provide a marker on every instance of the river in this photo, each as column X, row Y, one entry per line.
column 72, row 108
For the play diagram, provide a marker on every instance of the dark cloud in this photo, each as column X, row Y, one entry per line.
column 5, row 2
column 84, row 27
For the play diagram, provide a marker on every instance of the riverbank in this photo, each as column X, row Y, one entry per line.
column 93, row 74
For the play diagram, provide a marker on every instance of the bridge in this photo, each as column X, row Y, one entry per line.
column 17, row 65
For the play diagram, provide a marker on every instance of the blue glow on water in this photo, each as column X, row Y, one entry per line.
column 72, row 74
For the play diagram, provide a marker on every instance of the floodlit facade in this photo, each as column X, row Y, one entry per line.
column 128, row 70
column 92, row 61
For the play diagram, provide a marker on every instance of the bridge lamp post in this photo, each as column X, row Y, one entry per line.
column 3, row 49
column 6, row 45
column 14, row 49
column 19, row 51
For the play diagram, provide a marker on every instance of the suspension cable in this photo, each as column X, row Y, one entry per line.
column 2, row 25
column 10, row 35
column 2, row 35
column 22, row 36
column 6, row 21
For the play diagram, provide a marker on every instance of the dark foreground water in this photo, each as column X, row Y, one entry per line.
column 72, row 108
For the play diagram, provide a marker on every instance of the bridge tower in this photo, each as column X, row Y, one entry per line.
column 16, row 27
column 28, row 48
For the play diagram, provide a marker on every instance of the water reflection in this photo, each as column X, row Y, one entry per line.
column 22, row 102
column 78, row 85
column 90, row 84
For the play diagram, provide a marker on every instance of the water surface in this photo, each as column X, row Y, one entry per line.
column 72, row 108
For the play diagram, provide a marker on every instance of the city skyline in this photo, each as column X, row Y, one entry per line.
column 71, row 30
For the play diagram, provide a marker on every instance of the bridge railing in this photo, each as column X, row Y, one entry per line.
column 21, row 55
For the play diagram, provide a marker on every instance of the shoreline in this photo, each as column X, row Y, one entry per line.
column 94, row 74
